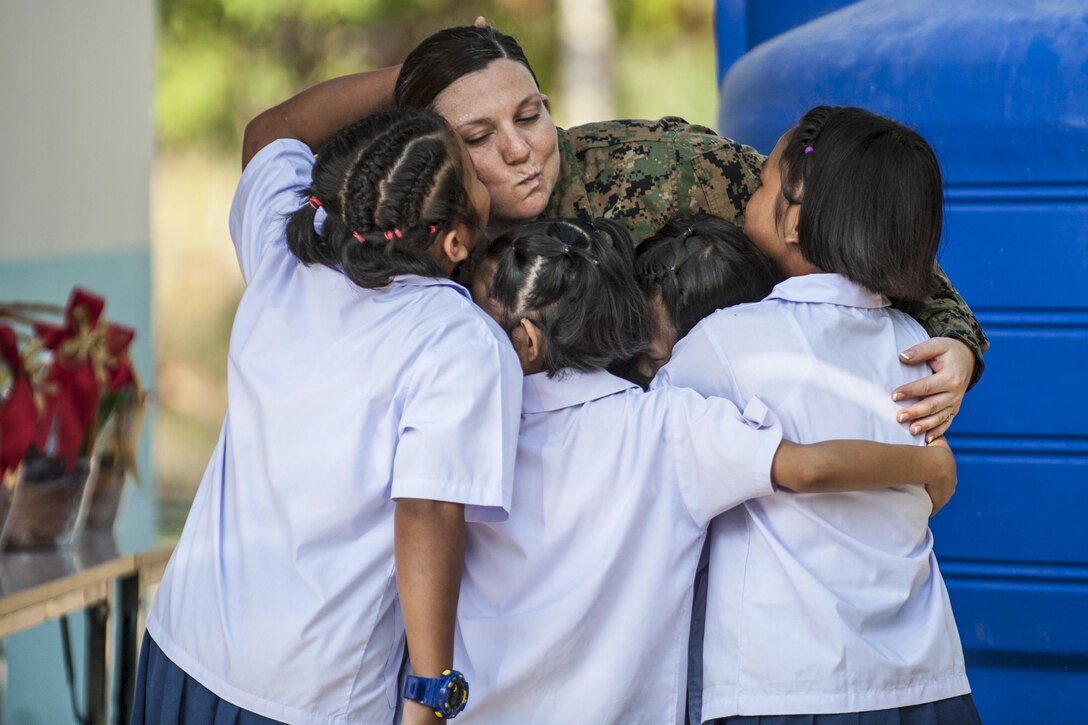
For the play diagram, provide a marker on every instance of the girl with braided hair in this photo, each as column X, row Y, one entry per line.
column 373, row 409
column 576, row 609
column 691, row 267
column 829, row 610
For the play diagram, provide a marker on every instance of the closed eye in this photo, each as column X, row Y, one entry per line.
column 477, row 139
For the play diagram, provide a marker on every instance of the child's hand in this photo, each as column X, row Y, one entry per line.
column 941, row 393
column 481, row 21
column 940, row 491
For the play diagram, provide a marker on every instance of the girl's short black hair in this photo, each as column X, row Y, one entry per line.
column 446, row 56
column 575, row 281
column 702, row 263
column 390, row 183
column 871, row 199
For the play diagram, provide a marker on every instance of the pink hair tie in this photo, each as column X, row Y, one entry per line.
column 397, row 232
column 315, row 203
column 388, row 235
column 359, row 236
column 432, row 229
column 809, row 149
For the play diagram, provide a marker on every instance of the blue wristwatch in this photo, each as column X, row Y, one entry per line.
column 446, row 695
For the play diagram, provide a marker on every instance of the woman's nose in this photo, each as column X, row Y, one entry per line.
column 515, row 150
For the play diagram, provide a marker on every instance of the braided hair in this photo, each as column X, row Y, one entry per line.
column 574, row 280
column 702, row 263
column 870, row 196
column 390, row 184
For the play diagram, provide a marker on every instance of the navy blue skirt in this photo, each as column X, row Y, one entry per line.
column 953, row 711
column 165, row 695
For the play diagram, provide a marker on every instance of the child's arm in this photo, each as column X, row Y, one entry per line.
column 318, row 112
column 430, row 553
column 852, row 465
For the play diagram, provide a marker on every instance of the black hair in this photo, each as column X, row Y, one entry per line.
column 449, row 54
column 871, row 199
column 390, row 183
column 702, row 263
column 575, row 281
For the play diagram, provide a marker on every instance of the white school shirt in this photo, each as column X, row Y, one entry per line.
column 281, row 594
column 820, row 603
column 576, row 609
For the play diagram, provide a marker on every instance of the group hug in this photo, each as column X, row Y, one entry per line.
column 622, row 423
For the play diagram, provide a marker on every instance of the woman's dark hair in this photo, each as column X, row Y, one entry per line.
column 390, row 183
column 445, row 56
column 575, row 281
column 871, row 199
column 702, row 263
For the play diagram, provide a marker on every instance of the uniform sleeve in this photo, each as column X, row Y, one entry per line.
column 727, row 173
column 722, row 457
column 945, row 314
column 459, row 427
column 269, row 191
column 699, row 363
column 642, row 174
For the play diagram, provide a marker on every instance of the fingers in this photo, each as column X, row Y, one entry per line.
column 946, row 380
column 934, row 425
column 926, row 407
column 481, row 22
column 923, row 351
column 940, row 430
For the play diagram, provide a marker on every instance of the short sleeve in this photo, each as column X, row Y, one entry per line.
column 269, row 191
column 459, row 427
column 698, row 363
column 722, row 456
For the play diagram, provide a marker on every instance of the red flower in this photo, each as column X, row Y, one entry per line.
column 18, row 414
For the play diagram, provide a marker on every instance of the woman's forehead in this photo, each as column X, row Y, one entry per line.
column 492, row 93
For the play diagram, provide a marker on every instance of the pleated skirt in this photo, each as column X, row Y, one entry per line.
column 165, row 695
column 953, row 711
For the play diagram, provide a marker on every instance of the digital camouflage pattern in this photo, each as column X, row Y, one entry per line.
column 644, row 173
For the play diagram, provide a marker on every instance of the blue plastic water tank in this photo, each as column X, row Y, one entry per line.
column 1000, row 89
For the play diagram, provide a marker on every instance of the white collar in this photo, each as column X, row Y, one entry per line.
column 541, row 394
column 829, row 288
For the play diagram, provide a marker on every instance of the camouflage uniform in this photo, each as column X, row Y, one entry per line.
column 644, row 173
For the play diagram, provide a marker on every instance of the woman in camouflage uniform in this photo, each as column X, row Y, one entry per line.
column 640, row 173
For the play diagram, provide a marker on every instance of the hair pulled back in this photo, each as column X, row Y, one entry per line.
column 390, row 184
column 575, row 281
column 701, row 263
column 871, row 199
column 446, row 56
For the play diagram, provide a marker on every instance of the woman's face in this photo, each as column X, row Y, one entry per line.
column 504, row 120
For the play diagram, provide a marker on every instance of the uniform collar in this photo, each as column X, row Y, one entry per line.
column 828, row 288
column 541, row 394
column 415, row 280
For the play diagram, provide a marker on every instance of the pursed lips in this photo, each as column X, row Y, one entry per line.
column 529, row 179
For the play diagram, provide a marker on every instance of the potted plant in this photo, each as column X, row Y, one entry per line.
column 84, row 417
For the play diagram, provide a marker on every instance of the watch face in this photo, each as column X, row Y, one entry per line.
column 456, row 693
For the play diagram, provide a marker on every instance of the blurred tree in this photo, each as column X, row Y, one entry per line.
column 223, row 61
column 587, row 68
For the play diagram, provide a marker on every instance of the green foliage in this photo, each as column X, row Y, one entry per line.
column 223, row 61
